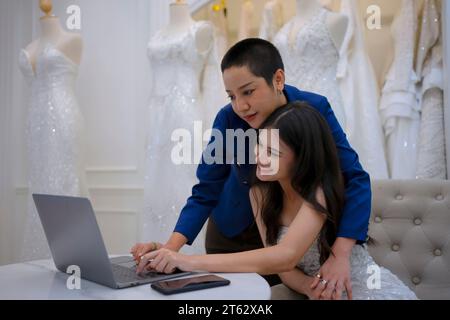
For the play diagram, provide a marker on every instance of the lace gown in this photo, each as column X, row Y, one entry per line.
column 431, row 158
column 311, row 62
column 390, row 286
column 54, row 138
column 399, row 108
column 176, row 102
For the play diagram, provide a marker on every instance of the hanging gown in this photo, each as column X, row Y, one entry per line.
column 54, row 134
column 390, row 286
column 360, row 95
column 311, row 62
column 399, row 108
column 272, row 20
column 431, row 158
column 176, row 103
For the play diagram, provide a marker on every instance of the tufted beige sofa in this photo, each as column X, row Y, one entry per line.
column 410, row 223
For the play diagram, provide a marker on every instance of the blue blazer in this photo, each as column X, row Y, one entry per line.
column 223, row 189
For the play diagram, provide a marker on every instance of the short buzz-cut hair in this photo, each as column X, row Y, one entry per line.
column 260, row 56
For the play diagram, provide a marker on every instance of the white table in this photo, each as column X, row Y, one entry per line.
column 40, row 280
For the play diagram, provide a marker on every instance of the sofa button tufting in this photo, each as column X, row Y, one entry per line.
column 399, row 197
column 439, row 197
column 395, row 247
column 437, row 252
column 416, row 280
column 417, row 221
column 378, row 219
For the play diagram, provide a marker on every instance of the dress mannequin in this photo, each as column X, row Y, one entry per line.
column 245, row 23
column 55, row 124
column 337, row 23
column 310, row 46
column 360, row 96
column 185, row 85
column 272, row 20
column 70, row 44
column 181, row 20
column 218, row 17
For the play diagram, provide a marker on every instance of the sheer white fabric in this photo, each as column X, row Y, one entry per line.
column 311, row 62
column 181, row 75
column 360, row 94
column 431, row 158
column 391, row 287
column 54, row 138
column 399, row 108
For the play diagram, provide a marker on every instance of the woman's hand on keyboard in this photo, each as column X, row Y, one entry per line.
column 166, row 261
column 139, row 249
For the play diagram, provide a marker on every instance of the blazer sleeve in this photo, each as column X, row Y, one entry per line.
column 358, row 195
column 212, row 177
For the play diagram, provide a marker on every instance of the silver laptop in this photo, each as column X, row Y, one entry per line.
column 74, row 238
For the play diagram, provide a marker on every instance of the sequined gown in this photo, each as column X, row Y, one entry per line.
column 54, row 132
column 177, row 101
column 364, row 285
column 311, row 60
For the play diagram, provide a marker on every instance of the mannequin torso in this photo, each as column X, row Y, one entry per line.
column 181, row 21
column 246, row 18
column 337, row 23
column 69, row 44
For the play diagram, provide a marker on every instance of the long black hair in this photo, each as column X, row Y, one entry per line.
column 305, row 131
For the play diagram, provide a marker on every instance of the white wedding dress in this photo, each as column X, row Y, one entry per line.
column 389, row 288
column 399, row 108
column 431, row 158
column 54, row 138
column 360, row 94
column 180, row 77
column 311, row 62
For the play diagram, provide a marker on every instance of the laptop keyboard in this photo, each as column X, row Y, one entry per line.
column 124, row 274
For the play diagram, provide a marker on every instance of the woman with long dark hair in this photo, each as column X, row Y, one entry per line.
column 297, row 199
